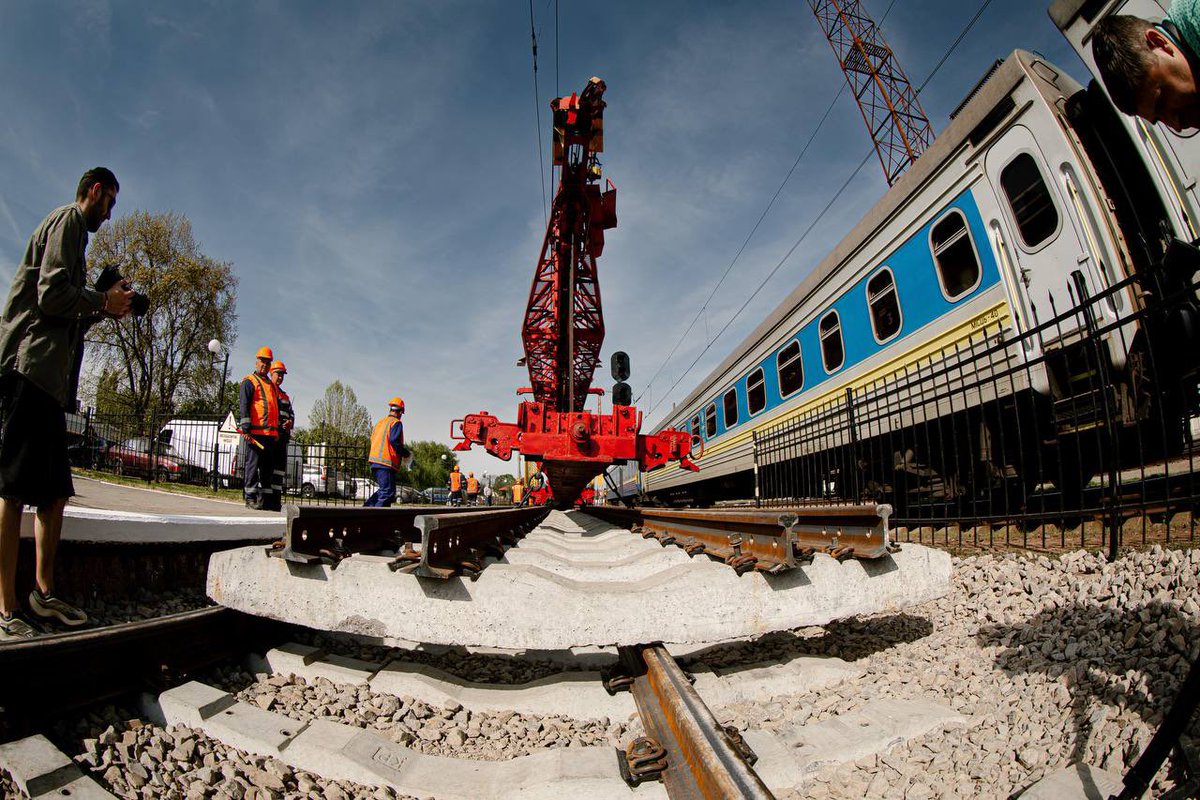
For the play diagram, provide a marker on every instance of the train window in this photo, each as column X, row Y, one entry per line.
column 756, row 391
column 696, row 425
column 1030, row 200
column 884, row 304
column 791, row 369
column 832, row 351
column 954, row 254
column 710, row 420
column 730, row 408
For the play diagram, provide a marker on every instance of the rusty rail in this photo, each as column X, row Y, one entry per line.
column 767, row 541
column 331, row 533
column 684, row 746
column 453, row 544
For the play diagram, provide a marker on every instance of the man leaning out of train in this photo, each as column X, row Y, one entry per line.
column 1151, row 70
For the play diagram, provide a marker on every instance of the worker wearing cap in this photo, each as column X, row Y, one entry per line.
column 455, row 484
column 472, row 489
column 388, row 454
column 287, row 420
column 258, row 422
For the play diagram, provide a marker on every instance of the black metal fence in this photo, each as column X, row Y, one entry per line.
column 1077, row 432
column 203, row 451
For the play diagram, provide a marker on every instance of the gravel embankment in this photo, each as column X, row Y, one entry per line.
column 141, row 605
column 1055, row 660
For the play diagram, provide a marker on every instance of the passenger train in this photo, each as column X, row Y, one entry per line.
column 1036, row 191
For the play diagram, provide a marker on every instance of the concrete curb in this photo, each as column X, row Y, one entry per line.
column 125, row 527
column 42, row 770
column 1076, row 782
column 339, row 751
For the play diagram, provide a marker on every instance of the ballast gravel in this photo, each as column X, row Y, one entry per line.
column 1054, row 660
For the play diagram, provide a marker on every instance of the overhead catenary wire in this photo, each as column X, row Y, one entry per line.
column 708, row 345
column 754, row 230
column 537, row 108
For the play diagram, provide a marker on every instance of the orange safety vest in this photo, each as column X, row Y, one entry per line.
column 455, row 481
column 517, row 490
column 264, row 407
column 472, row 485
column 382, row 452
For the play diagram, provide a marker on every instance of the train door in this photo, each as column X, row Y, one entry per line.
column 1037, row 234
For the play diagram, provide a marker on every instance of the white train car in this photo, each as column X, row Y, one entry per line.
column 1036, row 193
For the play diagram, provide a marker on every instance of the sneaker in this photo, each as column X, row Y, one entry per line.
column 17, row 627
column 50, row 607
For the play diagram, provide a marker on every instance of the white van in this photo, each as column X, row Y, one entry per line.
column 192, row 441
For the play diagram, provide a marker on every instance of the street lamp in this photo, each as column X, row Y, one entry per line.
column 216, row 349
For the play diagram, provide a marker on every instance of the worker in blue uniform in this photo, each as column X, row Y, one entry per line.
column 388, row 454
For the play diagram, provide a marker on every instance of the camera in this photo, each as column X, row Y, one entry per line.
column 109, row 277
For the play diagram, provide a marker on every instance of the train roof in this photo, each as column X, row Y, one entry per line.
column 998, row 84
column 1064, row 12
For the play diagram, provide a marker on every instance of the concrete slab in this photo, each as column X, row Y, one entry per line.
column 756, row 683
column 776, row 765
column 634, row 567
column 42, row 770
column 339, row 751
column 579, row 695
column 524, row 606
column 875, row 728
column 1076, row 782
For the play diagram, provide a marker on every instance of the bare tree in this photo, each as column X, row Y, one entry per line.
column 158, row 357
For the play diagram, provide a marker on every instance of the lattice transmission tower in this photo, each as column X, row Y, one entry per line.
column 889, row 104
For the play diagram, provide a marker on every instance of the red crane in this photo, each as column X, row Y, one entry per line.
column 564, row 329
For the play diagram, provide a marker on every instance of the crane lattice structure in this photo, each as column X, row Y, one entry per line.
column 886, row 98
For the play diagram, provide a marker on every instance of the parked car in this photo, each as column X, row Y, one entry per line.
column 88, row 452
column 133, row 457
column 436, row 495
column 314, row 480
column 407, row 494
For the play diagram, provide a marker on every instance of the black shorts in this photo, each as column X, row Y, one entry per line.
column 34, row 467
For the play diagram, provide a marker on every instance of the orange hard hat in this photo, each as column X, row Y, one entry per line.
column 264, row 352
column 456, row 467
column 396, row 402
column 278, row 366
column 471, row 474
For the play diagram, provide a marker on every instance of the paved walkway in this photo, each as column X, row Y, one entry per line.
column 96, row 494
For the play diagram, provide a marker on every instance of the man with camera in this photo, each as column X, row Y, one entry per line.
column 49, row 308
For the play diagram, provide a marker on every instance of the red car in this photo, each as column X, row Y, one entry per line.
column 132, row 457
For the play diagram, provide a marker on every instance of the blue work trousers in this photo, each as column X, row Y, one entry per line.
column 385, row 495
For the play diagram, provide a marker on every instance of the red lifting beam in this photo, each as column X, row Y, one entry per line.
column 564, row 330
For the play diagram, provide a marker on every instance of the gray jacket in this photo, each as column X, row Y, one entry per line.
column 49, row 307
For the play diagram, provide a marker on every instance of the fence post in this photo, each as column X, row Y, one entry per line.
column 1112, row 516
column 853, row 481
column 757, row 491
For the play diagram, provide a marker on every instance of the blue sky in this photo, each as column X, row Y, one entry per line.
column 371, row 169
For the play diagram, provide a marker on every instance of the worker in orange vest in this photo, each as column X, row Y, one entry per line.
column 258, row 422
column 472, row 489
column 518, row 489
column 388, row 454
column 455, row 483
column 287, row 420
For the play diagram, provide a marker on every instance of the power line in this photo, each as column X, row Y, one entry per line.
column 957, row 41
column 537, row 109
column 761, row 217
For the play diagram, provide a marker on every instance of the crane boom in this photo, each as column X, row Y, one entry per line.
column 564, row 330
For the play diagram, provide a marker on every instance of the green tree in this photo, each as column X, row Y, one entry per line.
column 193, row 298
column 337, row 416
column 432, row 462
column 196, row 405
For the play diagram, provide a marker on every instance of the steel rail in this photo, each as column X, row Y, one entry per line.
column 330, row 533
column 684, row 746
column 767, row 541
column 453, row 544
column 59, row 672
